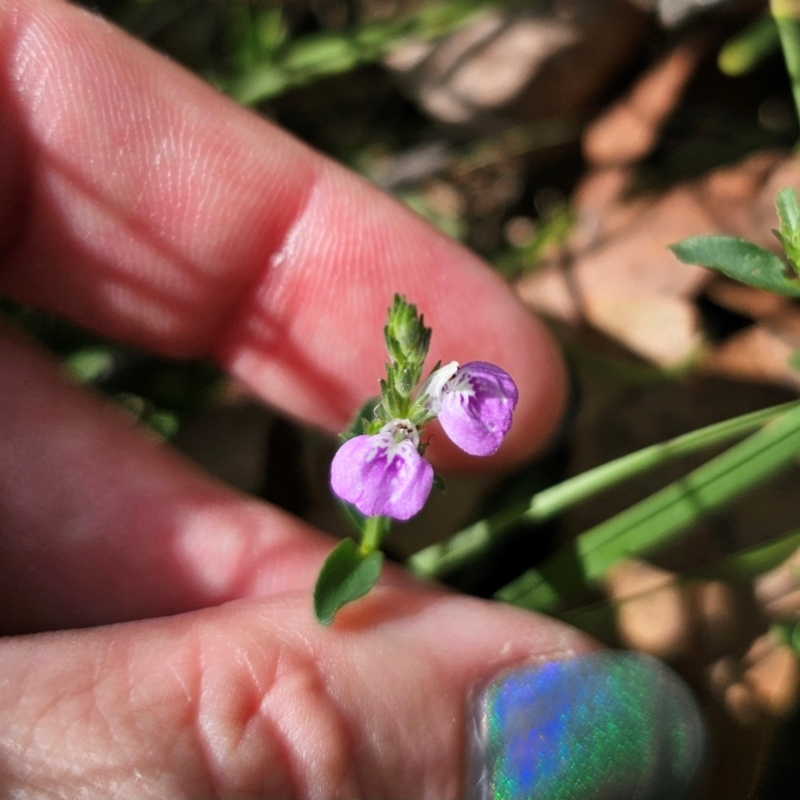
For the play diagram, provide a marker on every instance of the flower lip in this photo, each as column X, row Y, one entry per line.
column 383, row 474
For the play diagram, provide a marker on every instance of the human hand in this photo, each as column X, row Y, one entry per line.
column 138, row 202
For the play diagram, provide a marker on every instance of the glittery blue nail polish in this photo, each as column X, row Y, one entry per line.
column 603, row 726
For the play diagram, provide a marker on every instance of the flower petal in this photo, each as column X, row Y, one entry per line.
column 431, row 390
column 477, row 407
column 382, row 477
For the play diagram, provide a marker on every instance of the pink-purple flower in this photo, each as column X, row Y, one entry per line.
column 475, row 407
column 385, row 474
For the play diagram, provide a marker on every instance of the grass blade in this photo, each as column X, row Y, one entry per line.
column 600, row 619
column 467, row 546
column 661, row 518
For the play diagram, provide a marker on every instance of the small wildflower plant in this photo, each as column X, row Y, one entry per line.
column 381, row 470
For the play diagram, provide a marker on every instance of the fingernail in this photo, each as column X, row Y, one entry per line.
column 603, row 726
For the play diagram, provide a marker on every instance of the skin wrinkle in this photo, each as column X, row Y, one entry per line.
column 347, row 739
column 351, row 781
column 383, row 747
column 280, row 745
column 25, row 744
column 174, row 760
column 369, row 748
column 99, row 774
column 259, row 689
column 104, row 662
column 171, row 759
column 211, row 707
column 81, row 710
column 334, row 772
column 291, row 678
column 97, row 714
column 193, row 716
column 451, row 781
column 270, row 689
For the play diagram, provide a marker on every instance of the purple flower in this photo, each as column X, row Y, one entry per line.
column 383, row 474
column 475, row 405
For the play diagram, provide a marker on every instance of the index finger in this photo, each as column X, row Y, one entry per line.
column 152, row 209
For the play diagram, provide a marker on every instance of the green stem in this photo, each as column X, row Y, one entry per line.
column 787, row 17
column 442, row 559
column 375, row 528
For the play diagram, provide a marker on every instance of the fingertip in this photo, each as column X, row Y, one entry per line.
column 210, row 232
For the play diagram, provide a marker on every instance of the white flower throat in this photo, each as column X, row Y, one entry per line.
column 392, row 436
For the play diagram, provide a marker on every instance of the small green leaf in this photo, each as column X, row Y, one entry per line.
column 260, row 83
column 439, row 483
column 789, row 233
column 321, row 54
column 362, row 420
column 788, row 210
column 90, row 364
column 164, row 423
column 346, row 575
column 745, row 51
column 738, row 259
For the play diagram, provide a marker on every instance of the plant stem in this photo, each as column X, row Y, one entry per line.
column 787, row 17
column 442, row 559
column 375, row 528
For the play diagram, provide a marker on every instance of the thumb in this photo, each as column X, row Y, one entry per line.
column 254, row 699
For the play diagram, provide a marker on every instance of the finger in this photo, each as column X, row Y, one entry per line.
column 150, row 208
column 98, row 523
column 255, row 699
